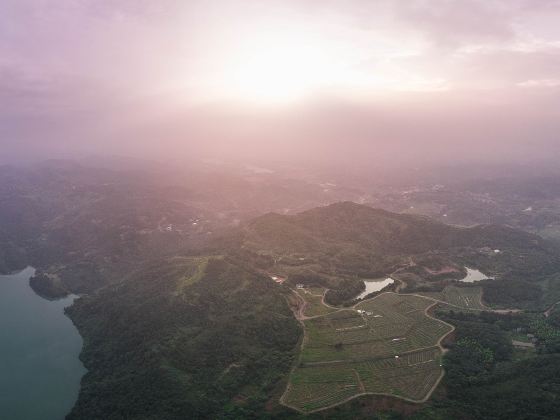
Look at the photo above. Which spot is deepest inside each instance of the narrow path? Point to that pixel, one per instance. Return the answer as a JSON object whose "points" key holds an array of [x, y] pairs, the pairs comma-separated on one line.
{"points": [[369, 359], [299, 312], [426, 312], [522, 344], [550, 309], [325, 303], [362, 387], [485, 308], [400, 285], [443, 349]]}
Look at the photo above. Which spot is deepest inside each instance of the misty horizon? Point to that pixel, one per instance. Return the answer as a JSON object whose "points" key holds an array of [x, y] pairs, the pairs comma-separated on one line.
{"points": [[399, 81], [279, 209]]}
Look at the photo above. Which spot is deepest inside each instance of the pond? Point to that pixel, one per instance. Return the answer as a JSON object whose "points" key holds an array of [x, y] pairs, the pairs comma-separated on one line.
{"points": [[474, 275], [40, 371], [375, 285]]}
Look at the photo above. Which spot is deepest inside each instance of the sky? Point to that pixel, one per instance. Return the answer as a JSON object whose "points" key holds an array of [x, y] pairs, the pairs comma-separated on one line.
{"points": [[374, 80]]}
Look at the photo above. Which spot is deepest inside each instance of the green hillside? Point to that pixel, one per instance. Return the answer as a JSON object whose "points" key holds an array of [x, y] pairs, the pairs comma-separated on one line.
{"points": [[183, 338], [359, 227], [214, 337], [339, 245]]}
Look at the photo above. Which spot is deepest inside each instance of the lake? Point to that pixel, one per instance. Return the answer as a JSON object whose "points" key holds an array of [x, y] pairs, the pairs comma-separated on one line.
{"points": [[375, 286], [40, 371], [474, 275]]}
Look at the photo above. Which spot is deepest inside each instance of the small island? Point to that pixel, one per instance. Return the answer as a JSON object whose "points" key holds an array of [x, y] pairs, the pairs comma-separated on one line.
{"points": [[47, 286]]}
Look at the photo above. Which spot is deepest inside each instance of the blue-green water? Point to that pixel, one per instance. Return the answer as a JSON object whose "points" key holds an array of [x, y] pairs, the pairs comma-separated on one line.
{"points": [[39, 346]]}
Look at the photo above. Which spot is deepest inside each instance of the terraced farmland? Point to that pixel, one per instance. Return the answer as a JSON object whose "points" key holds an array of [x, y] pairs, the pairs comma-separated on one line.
{"points": [[314, 299], [461, 297], [386, 345]]}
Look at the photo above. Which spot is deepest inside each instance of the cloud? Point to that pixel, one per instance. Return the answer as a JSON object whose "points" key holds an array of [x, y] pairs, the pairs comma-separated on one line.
{"points": [[540, 83], [100, 73], [500, 68], [451, 23]]}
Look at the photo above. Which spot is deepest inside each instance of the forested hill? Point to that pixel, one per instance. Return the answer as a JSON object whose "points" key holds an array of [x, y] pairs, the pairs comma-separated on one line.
{"points": [[184, 338], [356, 226], [336, 246], [212, 336]]}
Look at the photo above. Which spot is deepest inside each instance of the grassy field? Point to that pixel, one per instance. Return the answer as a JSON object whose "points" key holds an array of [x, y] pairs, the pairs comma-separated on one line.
{"points": [[461, 297], [389, 347], [314, 298]]}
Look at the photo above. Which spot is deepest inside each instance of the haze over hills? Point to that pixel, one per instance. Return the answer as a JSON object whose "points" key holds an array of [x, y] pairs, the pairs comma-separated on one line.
{"points": [[196, 302], [213, 335], [281, 209], [85, 225], [379, 231]]}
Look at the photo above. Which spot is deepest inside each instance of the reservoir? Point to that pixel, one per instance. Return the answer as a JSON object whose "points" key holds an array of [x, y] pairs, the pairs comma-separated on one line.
{"points": [[474, 276], [40, 371], [374, 286]]}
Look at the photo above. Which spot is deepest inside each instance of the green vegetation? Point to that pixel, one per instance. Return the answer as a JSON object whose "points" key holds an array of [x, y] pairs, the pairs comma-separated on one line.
{"points": [[194, 274], [411, 377], [48, 287], [347, 291], [386, 345], [336, 245], [459, 297], [158, 346], [346, 241], [314, 301], [209, 337], [511, 293], [486, 379], [353, 233], [536, 293]]}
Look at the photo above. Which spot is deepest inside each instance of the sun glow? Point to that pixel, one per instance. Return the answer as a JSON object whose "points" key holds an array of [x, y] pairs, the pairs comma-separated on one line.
{"points": [[281, 63], [282, 67]]}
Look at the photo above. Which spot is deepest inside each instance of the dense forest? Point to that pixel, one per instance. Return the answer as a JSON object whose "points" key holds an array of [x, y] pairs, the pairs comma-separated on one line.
{"points": [[487, 378], [184, 338]]}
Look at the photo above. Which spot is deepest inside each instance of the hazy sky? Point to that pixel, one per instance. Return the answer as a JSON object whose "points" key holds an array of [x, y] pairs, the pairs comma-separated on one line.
{"points": [[368, 78]]}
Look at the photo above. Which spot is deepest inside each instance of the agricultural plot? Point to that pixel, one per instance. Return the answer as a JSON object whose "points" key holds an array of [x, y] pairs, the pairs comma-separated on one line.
{"points": [[461, 297], [314, 299], [386, 345]]}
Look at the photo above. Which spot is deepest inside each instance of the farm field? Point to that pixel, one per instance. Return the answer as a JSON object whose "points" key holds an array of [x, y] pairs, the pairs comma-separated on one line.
{"points": [[462, 297], [385, 345], [314, 298]]}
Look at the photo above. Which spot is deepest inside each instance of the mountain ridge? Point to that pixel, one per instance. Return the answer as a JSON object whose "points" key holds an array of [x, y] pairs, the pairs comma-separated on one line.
{"points": [[359, 224]]}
